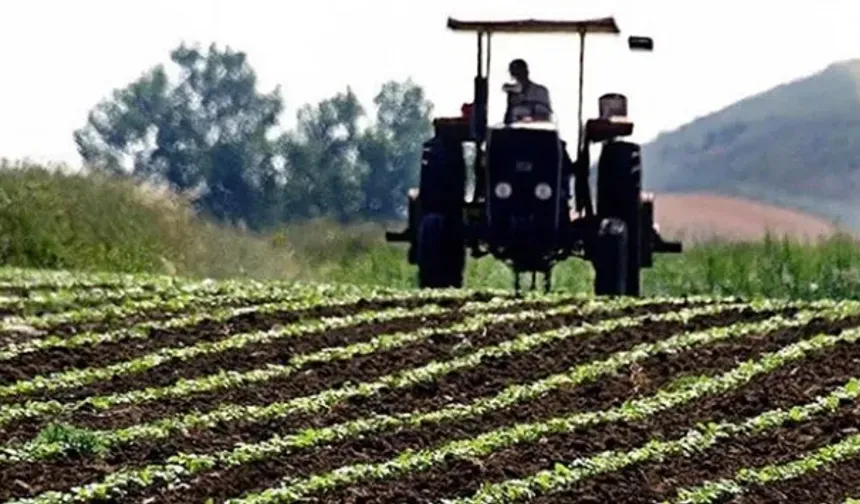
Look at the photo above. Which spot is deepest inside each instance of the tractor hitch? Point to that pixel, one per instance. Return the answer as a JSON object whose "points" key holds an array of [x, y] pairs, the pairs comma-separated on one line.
{"points": [[666, 247], [404, 236]]}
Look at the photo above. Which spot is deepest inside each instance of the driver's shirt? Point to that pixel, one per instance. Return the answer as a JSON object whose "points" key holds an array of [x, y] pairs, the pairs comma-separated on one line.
{"points": [[529, 101]]}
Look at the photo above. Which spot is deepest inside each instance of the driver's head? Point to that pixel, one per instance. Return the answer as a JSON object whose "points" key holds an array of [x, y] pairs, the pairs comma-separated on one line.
{"points": [[519, 70]]}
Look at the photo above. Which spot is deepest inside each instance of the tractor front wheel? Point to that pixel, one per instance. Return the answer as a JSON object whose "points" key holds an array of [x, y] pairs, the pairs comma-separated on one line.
{"points": [[610, 259], [441, 254]]}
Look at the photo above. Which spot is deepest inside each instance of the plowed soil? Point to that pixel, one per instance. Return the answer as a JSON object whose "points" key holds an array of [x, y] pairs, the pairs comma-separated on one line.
{"points": [[456, 388], [702, 216], [463, 477], [830, 485], [795, 383]]}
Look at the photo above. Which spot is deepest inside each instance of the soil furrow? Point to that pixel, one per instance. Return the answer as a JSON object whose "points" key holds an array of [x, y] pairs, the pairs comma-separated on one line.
{"points": [[600, 395], [315, 378], [244, 359], [114, 321], [224, 437], [245, 320], [58, 359], [830, 485], [68, 473], [656, 482], [25, 429], [280, 351], [311, 379], [797, 383], [496, 374]]}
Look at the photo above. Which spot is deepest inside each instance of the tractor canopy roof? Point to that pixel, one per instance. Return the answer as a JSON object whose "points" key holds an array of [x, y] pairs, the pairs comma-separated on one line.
{"points": [[599, 25], [485, 29]]}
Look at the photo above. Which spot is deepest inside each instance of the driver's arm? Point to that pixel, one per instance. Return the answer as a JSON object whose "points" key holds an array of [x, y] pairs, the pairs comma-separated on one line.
{"points": [[543, 97]]}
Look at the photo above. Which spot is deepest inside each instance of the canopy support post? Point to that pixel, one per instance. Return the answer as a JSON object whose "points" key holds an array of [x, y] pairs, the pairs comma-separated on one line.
{"points": [[480, 61], [481, 102], [580, 139]]}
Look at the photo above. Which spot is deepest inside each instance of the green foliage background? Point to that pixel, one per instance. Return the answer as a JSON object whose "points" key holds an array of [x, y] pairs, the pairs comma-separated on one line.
{"points": [[49, 219]]}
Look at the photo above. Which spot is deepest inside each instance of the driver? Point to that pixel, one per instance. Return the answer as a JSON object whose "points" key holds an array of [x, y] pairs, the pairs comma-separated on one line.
{"points": [[530, 99], [525, 98]]}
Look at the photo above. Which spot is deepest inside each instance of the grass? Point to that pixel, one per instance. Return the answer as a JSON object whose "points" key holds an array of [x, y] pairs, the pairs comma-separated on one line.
{"points": [[774, 267], [51, 219]]}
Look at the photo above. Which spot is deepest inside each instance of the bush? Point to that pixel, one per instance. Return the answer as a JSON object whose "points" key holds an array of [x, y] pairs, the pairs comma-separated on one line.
{"points": [[50, 218]]}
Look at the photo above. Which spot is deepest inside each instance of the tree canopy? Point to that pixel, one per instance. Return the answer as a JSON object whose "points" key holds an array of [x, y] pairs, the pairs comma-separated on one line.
{"points": [[211, 133]]}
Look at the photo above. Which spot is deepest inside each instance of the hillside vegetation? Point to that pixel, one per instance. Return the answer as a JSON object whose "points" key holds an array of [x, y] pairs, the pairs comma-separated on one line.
{"points": [[50, 219], [796, 145]]}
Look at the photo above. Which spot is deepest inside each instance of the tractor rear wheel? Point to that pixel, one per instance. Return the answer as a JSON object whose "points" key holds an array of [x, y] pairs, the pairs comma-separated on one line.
{"points": [[619, 188], [441, 254], [610, 259]]}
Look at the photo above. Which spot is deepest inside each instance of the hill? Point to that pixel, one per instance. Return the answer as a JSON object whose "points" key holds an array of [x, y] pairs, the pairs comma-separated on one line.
{"points": [[701, 216], [796, 145]]}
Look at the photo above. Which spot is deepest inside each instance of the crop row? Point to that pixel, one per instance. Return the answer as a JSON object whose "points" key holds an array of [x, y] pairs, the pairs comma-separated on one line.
{"points": [[564, 475], [379, 343], [226, 414], [514, 394], [53, 301], [821, 459], [234, 304], [180, 466], [39, 279], [196, 295], [26, 280], [142, 330], [81, 377], [76, 298], [499, 333], [228, 379]]}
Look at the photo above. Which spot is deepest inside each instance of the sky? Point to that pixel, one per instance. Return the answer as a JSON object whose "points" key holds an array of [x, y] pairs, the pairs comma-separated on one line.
{"points": [[61, 57]]}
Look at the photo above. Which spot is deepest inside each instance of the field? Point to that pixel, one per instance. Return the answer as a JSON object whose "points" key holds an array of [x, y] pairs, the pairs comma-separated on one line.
{"points": [[703, 215], [145, 389]]}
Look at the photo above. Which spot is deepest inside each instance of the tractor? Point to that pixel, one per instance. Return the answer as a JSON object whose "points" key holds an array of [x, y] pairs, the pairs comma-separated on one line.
{"points": [[530, 204]]}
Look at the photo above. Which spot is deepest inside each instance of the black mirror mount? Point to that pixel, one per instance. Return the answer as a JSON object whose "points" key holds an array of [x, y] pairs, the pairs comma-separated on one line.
{"points": [[636, 43]]}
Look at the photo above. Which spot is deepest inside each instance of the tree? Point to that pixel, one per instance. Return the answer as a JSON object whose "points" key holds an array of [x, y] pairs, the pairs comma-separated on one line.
{"points": [[336, 169], [324, 170], [392, 147], [206, 133]]}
